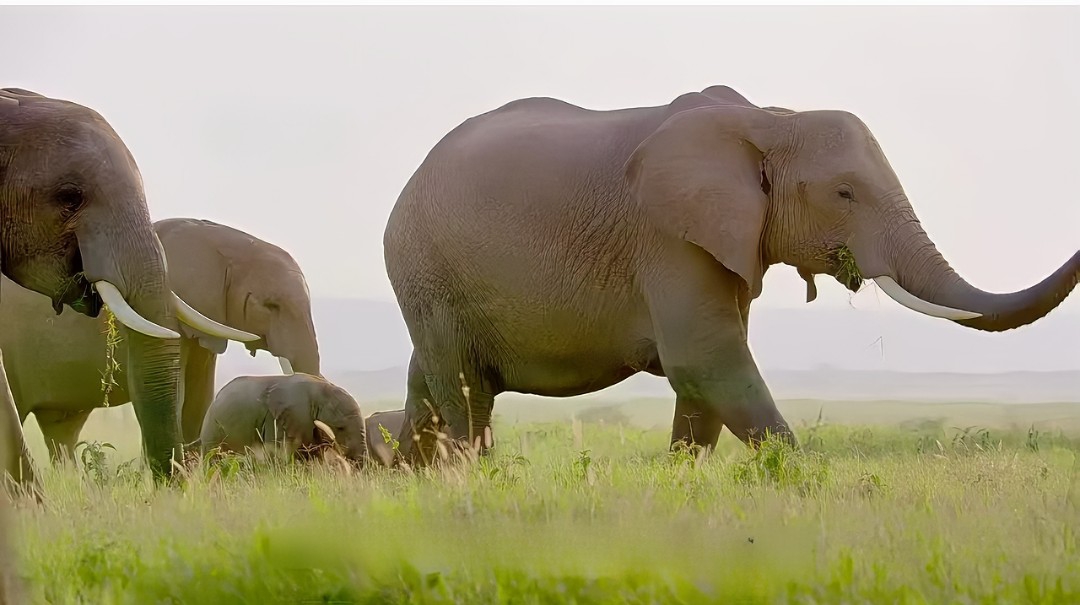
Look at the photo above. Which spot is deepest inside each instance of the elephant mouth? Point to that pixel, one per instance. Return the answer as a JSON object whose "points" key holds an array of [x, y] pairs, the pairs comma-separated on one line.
{"points": [[79, 294], [842, 266]]}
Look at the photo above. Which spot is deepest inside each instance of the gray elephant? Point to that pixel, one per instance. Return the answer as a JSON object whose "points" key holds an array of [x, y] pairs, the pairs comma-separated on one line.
{"points": [[549, 249], [76, 229], [383, 451], [251, 411], [226, 274]]}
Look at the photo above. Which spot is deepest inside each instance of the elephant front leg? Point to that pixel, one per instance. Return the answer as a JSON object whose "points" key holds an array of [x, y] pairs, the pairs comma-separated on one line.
{"points": [[15, 460], [700, 326], [727, 392], [197, 367]]}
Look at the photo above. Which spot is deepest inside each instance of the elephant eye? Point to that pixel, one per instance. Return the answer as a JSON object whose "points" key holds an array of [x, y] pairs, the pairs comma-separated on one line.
{"points": [[69, 197], [846, 193]]}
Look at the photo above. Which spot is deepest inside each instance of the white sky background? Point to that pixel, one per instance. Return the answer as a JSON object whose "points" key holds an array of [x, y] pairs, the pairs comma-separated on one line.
{"points": [[301, 125]]}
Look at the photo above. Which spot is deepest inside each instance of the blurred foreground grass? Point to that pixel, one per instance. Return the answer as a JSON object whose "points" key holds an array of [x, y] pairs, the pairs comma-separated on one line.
{"points": [[589, 513]]}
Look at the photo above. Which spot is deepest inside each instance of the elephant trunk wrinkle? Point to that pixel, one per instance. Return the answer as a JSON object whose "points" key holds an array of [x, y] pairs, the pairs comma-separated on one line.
{"points": [[923, 271]]}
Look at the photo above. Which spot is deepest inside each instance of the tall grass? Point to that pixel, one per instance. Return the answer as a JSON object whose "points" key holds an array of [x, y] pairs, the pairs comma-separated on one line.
{"points": [[585, 514]]}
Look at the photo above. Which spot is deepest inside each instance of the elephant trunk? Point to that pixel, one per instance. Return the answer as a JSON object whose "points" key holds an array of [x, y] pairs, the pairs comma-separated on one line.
{"points": [[307, 361], [294, 343], [122, 251], [925, 282]]}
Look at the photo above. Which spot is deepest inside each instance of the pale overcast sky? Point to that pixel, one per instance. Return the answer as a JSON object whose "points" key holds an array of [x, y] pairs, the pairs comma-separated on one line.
{"points": [[301, 125]]}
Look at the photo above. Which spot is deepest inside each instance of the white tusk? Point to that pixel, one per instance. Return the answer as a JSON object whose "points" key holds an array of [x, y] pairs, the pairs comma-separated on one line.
{"points": [[889, 286], [286, 367], [128, 316], [187, 314]]}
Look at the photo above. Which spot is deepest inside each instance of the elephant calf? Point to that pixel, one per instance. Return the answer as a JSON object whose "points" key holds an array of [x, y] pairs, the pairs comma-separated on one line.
{"points": [[392, 421], [253, 410]]}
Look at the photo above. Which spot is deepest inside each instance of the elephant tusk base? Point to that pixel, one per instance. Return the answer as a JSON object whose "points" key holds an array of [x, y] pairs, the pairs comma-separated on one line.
{"points": [[889, 286], [128, 316]]}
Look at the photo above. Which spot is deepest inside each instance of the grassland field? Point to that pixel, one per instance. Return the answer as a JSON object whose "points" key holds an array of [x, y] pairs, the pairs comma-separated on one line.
{"points": [[886, 502]]}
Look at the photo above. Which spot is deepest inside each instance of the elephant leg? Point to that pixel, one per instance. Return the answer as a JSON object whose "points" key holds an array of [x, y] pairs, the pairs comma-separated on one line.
{"points": [[465, 405], [703, 349], [416, 439], [439, 402], [61, 431], [197, 367], [15, 459]]}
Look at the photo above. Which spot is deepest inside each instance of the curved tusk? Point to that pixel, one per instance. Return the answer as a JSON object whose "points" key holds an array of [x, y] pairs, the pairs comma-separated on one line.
{"points": [[286, 367], [889, 286], [187, 314], [128, 316]]}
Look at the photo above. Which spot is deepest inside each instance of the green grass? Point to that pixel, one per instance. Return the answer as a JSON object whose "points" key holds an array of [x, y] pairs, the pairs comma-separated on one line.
{"points": [[592, 514]]}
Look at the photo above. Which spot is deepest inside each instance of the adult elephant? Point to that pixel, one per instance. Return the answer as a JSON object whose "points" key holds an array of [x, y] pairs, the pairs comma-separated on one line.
{"points": [[224, 273], [77, 230], [549, 249]]}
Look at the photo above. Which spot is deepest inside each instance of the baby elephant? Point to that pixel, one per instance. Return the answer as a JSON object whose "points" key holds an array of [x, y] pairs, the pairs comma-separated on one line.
{"points": [[392, 421], [253, 410]]}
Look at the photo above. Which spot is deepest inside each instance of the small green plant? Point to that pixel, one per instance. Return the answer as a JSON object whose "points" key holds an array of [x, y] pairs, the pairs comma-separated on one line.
{"points": [[974, 439], [94, 464], [777, 462], [1033, 439], [112, 365], [583, 464], [388, 437]]}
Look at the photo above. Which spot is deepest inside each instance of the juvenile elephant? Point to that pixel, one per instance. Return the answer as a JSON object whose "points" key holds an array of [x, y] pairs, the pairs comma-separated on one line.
{"points": [[226, 274], [76, 230], [549, 249], [393, 421], [253, 410]]}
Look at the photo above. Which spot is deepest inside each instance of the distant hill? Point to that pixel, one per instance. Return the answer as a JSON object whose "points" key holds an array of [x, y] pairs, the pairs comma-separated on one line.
{"points": [[826, 384], [809, 352]]}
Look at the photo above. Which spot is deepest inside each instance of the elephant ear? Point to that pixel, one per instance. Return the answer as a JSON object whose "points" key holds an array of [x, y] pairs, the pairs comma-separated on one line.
{"points": [[292, 414], [701, 177]]}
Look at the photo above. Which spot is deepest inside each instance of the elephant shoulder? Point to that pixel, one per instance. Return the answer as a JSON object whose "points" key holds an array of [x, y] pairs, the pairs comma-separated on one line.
{"points": [[727, 94], [710, 97], [21, 92]]}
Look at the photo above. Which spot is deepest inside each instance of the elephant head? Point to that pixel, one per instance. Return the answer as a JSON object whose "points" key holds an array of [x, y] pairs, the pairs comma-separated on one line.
{"points": [[813, 190], [302, 399], [247, 282], [76, 228]]}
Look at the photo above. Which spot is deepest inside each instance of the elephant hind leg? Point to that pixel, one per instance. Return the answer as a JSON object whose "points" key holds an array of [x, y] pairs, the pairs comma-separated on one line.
{"points": [[61, 430], [416, 441], [443, 402]]}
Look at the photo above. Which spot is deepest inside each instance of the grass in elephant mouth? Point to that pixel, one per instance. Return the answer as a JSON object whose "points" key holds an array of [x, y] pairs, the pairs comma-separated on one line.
{"points": [[859, 515], [842, 259]]}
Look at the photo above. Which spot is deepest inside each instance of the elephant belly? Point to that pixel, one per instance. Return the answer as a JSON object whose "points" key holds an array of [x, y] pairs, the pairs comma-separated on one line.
{"points": [[73, 385], [569, 360]]}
